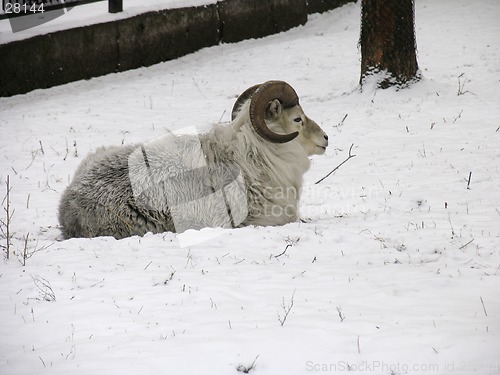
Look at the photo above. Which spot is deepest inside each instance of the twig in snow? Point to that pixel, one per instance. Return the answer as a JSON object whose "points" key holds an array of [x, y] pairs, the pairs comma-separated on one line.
{"points": [[338, 166], [28, 253], [198, 87], [72, 352], [341, 316], [341, 122], [25, 250], [461, 86], [213, 305], [44, 288], [461, 247], [290, 242], [468, 181], [284, 251], [484, 308], [67, 150], [459, 116], [244, 369], [221, 116], [5, 225], [169, 278], [98, 283], [41, 148], [451, 225], [123, 135], [286, 310]]}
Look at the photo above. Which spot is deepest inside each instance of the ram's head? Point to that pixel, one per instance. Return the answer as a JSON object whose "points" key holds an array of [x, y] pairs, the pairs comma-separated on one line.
{"points": [[276, 115]]}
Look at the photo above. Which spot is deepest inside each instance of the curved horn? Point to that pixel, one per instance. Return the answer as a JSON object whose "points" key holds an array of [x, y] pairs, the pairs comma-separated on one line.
{"points": [[245, 95], [266, 92]]}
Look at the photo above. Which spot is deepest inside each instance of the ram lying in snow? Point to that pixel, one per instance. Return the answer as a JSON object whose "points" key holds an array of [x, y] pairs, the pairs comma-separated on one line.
{"points": [[248, 172]]}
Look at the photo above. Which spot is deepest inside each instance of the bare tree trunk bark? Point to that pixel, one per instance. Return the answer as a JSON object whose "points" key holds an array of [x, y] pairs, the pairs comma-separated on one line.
{"points": [[388, 46]]}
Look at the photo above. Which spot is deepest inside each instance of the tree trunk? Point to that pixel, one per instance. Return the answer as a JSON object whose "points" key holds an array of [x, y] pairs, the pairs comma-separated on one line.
{"points": [[388, 46]]}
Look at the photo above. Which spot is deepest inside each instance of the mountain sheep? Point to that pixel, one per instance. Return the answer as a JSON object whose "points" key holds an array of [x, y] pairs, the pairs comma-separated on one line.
{"points": [[248, 172]]}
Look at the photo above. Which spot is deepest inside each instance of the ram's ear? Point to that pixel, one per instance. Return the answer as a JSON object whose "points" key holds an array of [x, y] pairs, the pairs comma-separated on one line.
{"points": [[273, 109]]}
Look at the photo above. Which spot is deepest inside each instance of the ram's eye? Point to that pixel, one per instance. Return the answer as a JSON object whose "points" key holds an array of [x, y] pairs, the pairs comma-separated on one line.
{"points": [[298, 119]]}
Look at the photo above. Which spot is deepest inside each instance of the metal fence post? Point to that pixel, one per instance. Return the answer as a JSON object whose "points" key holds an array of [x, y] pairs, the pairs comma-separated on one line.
{"points": [[115, 6]]}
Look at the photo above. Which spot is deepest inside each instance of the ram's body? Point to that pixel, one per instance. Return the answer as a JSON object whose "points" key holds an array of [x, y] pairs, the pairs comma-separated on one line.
{"points": [[230, 176]]}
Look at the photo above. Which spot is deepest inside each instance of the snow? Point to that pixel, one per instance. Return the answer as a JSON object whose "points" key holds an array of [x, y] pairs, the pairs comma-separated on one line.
{"points": [[395, 271]]}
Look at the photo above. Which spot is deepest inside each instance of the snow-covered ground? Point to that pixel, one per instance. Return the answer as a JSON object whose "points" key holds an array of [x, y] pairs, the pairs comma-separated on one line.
{"points": [[396, 270]]}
